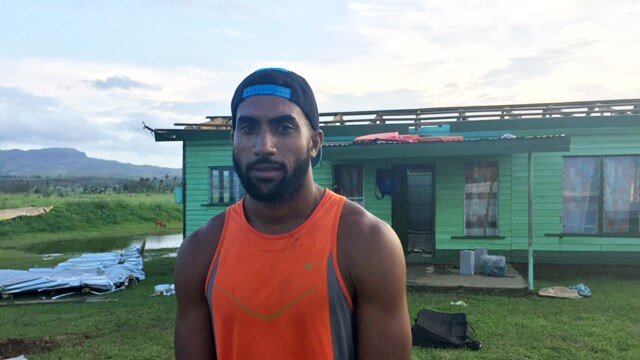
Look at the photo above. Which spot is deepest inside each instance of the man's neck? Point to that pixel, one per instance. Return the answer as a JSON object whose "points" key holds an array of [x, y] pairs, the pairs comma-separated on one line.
{"points": [[281, 218]]}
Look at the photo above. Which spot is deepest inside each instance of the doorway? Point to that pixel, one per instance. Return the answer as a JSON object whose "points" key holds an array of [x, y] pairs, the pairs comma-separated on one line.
{"points": [[413, 206]]}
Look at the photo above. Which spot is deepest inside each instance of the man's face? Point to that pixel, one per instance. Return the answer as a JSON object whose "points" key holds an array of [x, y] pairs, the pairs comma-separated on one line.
{"points": [[273, 144]]}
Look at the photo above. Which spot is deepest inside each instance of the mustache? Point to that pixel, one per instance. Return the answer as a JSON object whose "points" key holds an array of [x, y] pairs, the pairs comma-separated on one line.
{"points": [[265, 162]]}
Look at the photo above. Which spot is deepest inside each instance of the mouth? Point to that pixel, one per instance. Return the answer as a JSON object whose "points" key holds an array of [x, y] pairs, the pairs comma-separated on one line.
{"points": [[266, 172]]}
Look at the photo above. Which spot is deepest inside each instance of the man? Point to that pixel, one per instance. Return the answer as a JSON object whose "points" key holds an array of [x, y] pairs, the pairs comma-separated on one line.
{"points": [[292, 271]]}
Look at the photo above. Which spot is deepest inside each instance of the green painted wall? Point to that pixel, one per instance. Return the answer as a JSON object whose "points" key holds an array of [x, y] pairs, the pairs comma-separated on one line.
{"points": [[513, 212], [200, 155], [449, 183], [548, 193]]}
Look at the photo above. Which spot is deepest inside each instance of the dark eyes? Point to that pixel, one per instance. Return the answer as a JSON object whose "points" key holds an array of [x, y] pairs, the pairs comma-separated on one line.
{"points": [[248, 128], [284, 128]]}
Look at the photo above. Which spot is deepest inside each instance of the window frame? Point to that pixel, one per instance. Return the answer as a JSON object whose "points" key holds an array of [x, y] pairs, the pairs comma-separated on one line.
{"points": [[464, 199], [358, 200], [234, 176], [601, 192]]}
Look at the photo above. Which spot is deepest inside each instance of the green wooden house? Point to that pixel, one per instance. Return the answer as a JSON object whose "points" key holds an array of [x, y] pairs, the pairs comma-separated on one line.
{"points": [[560, 179]]}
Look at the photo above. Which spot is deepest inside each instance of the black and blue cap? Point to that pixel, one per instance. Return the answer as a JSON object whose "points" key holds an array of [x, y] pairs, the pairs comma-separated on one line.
{"points": [[281, 83]]}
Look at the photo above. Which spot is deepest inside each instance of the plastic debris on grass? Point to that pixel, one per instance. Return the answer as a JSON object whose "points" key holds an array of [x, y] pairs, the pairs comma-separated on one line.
{"points": [[559, 292], [21, 357], [164, 289], [572, 292], [582, 289], [97, 273], [458, 303]]}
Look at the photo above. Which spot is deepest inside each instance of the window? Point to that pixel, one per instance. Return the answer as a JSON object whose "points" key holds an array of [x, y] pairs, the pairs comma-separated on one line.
{"points": [[225, 186], [601, 195], [348, 180], [481, 199]]}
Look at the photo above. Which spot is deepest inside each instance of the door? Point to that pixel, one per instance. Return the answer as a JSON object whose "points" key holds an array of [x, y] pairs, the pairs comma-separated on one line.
{"points": [[413, 208]]}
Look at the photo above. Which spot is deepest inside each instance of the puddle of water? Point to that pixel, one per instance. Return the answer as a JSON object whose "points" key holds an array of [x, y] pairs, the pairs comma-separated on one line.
{"points": [[162, 242], [105, 244]]}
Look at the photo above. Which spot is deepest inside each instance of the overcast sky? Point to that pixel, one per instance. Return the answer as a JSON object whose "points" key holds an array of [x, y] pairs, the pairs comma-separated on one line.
{"points": [[86, 74]]}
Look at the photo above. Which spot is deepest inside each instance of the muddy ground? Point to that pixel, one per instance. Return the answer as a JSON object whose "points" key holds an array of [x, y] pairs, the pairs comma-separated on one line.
{"points": [[15, 347]]}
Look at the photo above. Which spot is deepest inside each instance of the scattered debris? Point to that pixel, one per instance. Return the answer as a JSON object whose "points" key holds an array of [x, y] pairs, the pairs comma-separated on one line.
{"points": [[21, 357], [164, 289], [9, 214], [583, 290], [101, 272], [83, 299], [560, 292], [572, 292], [50, 256], [458, 303]]}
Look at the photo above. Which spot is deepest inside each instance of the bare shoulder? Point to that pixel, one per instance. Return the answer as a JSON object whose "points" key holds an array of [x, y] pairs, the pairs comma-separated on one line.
{"points": [[196, 253], [366, 245], [363, 232], [370, 255]]}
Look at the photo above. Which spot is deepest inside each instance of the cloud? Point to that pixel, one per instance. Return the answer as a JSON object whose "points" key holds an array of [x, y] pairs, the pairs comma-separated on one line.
{"points": [[361, 55], [199, 109], [381, 100], [36, 119], [239, 34], [50, 103], [221, 8], [121, 82], [34, 122]]}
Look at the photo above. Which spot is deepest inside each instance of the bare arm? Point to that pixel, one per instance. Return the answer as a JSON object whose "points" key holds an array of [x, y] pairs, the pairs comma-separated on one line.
{"points": [[377, 271], [194, 331]]}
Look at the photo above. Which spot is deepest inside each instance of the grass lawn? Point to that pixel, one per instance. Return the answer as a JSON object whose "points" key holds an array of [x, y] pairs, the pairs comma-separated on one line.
{"points": [[137, 326], [87, 216], [605, 326]]}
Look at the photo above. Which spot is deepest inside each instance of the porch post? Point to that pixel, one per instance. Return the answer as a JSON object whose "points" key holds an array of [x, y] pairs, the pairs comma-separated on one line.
{"points": [[530, 203]]}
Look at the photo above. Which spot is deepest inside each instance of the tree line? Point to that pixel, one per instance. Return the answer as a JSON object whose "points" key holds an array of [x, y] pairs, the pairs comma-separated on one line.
{"points": [[48, 186]]}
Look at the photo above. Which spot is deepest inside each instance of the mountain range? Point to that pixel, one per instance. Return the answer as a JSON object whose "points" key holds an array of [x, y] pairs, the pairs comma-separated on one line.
{"points": [[65, 162]]}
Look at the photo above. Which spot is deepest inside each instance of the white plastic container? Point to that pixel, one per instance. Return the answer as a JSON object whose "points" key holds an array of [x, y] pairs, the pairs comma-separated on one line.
{"points": [[478, 254], [467, 262]]}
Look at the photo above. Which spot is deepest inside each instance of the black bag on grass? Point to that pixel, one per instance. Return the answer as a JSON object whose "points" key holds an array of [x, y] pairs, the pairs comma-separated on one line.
{"points": [[441, 330]]}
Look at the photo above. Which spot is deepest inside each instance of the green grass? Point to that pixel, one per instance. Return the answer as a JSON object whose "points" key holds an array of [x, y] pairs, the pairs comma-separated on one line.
{"points": [[137, 326], [87, 216], [605, 326]]}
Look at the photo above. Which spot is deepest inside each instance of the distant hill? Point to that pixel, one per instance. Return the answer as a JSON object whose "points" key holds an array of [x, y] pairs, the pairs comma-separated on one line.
{"points": [[62, 162]]}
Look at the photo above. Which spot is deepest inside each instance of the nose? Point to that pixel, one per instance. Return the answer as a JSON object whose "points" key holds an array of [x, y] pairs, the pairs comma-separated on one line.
{"points": [[264, 144]]}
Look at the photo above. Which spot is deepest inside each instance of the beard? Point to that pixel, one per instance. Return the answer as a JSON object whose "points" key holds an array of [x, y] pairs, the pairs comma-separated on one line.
{"points": [[279, 191]]}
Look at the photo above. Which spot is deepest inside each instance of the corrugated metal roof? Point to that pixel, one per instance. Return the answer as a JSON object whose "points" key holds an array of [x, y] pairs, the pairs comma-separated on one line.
{"points": [[381, 142]]}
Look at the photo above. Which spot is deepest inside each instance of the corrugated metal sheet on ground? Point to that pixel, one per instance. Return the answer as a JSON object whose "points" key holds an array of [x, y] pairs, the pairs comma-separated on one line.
{"points": [[8, 214], [100, 272]]}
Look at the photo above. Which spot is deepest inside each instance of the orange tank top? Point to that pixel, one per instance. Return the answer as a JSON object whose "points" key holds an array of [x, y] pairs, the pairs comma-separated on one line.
{"points": [[281, 296]]}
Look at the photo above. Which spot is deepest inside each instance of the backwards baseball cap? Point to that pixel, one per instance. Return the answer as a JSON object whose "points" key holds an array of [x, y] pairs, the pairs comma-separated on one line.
{"points": [[281, 83]]}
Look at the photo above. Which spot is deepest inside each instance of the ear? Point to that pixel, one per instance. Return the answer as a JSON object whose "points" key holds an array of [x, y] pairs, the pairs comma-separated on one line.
{"points": [[317, 139]]}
